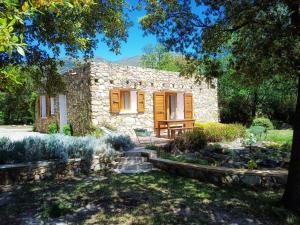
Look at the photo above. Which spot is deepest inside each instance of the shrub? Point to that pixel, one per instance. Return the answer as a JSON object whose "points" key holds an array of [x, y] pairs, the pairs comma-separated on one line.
{"points": [[264, 122], [52, 128], [250, 140], [194, 140], [215, 148], [191, 141], [67, 129], [120, 142], [216, 132], [61, 147]]}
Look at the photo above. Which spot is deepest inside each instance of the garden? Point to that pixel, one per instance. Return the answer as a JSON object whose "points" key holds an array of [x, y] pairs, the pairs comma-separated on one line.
{"points": [[232, 145]]}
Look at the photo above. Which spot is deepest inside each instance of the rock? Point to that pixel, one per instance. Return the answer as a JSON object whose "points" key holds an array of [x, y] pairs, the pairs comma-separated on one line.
{"points": [[251, 180]]}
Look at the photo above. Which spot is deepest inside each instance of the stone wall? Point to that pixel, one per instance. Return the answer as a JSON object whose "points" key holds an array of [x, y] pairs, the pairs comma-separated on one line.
{"points": [[79, 99], [26, 172], [78, 102], [222, 175], [106, 76]]}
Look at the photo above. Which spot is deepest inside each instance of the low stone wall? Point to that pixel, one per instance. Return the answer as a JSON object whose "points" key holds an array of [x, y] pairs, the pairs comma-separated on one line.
{"points": [[25, 172], [222, 175]]}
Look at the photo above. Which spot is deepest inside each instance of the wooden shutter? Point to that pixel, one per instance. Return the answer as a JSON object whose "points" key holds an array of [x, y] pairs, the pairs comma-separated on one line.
{"points": [[48, 106], [38, 106], [141, 101], [115, 100], [159, 105], [188, 106]]}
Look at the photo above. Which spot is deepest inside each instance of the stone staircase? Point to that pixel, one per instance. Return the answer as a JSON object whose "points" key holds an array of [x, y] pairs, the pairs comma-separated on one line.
{"points": [[132, 162]]}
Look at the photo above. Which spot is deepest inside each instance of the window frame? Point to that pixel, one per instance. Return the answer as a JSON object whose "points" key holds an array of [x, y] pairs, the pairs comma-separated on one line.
{"points": [[43, 110], [52, 105], [122, 100]]}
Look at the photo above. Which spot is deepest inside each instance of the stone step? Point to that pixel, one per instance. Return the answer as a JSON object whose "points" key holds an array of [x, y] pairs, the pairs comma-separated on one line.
{"points": [[138, 166], [133, 154], [131, 159]]}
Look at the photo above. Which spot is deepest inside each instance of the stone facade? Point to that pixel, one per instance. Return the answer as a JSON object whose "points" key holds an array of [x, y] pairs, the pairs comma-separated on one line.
{"points": [[88, 95], [26, 172]]}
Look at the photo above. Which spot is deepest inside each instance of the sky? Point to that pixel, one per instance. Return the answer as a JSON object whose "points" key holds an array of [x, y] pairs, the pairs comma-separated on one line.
{"points": [[134, 45]]}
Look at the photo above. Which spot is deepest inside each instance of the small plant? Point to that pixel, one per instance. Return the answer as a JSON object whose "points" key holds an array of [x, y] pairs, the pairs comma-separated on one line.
{"points": [[120, 142], [251, 165], [96, 132], [52, 128], [215, 148], [153, 147], [67, 129], [264, 122], [250, 140], [194, 140]]}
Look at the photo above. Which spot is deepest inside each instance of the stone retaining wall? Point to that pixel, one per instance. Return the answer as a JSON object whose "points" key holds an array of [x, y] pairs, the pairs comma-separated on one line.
{"points": [[222, 175], [25, 172]]}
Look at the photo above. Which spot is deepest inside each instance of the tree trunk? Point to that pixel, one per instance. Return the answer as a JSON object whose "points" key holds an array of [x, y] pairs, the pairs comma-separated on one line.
{"points": [[291, 197], [254, 105]]}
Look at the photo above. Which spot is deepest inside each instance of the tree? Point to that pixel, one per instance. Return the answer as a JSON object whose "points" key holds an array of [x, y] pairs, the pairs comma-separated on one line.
{"points": [[262, 38], [158, 57], [27, 28]]}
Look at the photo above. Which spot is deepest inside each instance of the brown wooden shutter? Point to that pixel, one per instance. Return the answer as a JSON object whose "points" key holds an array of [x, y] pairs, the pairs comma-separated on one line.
{"points": [[159, 106], [188, 106], [38, 106], [141, 101], [48, 106], [115, 100]]}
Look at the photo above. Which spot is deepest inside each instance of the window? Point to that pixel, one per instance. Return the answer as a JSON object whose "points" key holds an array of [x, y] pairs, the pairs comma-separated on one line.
{"points": [[43, 106], [127, 101], [52, 106]]}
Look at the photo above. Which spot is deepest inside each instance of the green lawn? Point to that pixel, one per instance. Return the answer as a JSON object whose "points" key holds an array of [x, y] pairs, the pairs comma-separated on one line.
{"points": [[151, 198], [280, 136]]}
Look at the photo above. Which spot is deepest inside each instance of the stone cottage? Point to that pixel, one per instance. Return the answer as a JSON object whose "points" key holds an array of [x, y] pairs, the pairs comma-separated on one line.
{"points": [[126, 97]]}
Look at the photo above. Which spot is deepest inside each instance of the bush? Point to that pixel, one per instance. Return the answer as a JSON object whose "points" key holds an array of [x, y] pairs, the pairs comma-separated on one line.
{"points": [[67, 129], [264, 122], [61, 147], [52, 128], [120, 142], [216, 132], [191, 141], [251, 165]]}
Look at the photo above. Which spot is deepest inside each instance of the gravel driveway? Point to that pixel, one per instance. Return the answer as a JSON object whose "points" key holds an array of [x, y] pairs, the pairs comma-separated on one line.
{"points": [[17, 132]]}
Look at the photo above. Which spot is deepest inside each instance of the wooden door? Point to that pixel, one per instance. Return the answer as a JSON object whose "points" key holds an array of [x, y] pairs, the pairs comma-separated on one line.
{"points": [[159, 107]]}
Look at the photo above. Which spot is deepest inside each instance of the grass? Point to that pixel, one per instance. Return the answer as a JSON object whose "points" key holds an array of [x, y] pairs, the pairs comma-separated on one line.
{"points": [[280, 136], [150, 198]]}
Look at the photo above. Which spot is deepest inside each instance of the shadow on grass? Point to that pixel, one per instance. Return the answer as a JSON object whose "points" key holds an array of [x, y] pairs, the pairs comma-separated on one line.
{"points": [[151, 198]]}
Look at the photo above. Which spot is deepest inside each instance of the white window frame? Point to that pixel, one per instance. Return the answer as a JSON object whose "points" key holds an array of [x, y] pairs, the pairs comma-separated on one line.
{"points": [[43, 107], [52, 106]]}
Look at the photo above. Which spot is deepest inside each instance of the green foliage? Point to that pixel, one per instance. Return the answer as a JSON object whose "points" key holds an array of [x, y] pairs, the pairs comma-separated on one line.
{"points": [[17, 105], [52, 128], [96, 132], [158, 57], [67, 130], [258, 131], [216, 132], [250, 140], [120, 142], [54, 26], [190, 141], [251, 164], [61, 147], [264, 122], [153, 147]]}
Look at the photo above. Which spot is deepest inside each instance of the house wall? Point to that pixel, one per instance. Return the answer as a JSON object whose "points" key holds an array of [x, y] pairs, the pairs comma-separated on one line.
{"points": [[78, 102], [106, 76]]}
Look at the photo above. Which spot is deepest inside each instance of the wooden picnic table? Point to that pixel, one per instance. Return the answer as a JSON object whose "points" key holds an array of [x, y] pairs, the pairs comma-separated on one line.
{"points": [[180, 125]]}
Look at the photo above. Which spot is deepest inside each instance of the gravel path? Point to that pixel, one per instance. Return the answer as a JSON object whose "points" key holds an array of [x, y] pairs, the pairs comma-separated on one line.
{"points": [[17, 132]]}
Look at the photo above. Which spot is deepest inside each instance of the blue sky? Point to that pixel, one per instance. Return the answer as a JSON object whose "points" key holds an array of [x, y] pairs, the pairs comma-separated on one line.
{"points": [[134, 45]]}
